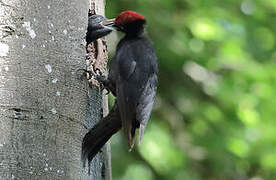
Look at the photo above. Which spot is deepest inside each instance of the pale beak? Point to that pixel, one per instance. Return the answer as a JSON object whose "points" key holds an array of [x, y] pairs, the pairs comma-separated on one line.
{"points": [[109, 23]]}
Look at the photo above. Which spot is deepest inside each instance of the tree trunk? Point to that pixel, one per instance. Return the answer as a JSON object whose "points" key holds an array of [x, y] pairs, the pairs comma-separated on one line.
{"points": [[45, 108]]}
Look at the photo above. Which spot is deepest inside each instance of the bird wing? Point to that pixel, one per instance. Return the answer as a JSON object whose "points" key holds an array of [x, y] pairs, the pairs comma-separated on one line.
{"points": [[136, 86], [145, 105], [126, 95]]}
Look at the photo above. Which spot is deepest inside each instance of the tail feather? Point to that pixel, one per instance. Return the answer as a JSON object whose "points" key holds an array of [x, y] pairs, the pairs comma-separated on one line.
{"points": [[131, 140], [141, 133], [94, 140]]}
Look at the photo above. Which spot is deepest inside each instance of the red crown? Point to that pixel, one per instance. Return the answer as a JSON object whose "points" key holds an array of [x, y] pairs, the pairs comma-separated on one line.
{"points": [[127, 17]]}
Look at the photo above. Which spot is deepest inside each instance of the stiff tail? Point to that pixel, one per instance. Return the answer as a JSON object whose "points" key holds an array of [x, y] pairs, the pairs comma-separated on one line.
{"points": [[94, 140]]}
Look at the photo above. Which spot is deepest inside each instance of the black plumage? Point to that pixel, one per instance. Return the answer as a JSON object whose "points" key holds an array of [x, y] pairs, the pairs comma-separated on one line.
{"points": [[136, 83], [133, 80]]}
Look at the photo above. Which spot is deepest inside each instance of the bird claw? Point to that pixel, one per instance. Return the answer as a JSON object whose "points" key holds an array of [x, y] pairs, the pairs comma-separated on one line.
{"points": [[97, 75], [97, 71], [90, 73]]}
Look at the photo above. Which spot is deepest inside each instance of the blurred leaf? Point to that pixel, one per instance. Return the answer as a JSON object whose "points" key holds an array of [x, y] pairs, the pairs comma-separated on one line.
{"points": [[134, 172], [238, 147], [159, 150], [215, 111], [206, 29]]}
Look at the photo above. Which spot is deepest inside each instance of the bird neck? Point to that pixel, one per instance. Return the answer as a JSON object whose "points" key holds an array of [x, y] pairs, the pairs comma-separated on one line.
{"points": [[134, 34], [134, 29]]}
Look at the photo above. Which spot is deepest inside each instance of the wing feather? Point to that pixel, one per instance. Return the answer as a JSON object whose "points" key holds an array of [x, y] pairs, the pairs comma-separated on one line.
{"points": [[126, 88], [145, 105], [135, 85]]}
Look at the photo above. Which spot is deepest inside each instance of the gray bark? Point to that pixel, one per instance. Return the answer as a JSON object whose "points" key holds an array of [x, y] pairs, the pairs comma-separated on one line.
{"points": [[45, 109]]}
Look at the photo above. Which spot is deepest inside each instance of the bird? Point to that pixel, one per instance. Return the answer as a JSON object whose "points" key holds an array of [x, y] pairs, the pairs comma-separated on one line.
{"points": [[94, 29], [133, 80]]}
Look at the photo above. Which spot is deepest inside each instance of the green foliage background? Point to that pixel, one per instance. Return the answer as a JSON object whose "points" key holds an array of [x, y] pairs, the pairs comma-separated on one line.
{"points": [[215, 110]]}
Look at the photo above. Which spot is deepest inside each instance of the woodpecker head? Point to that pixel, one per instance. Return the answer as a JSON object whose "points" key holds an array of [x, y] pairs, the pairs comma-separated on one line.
{"points": [[129, 22]]}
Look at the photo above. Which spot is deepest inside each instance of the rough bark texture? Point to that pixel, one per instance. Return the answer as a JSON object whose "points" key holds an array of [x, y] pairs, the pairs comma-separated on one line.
{"points": [[107, 147], [45, 109], [98, 51]]}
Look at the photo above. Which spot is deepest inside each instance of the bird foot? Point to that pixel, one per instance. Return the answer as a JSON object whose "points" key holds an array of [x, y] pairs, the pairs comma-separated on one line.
{"points": [[96, 74]]}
